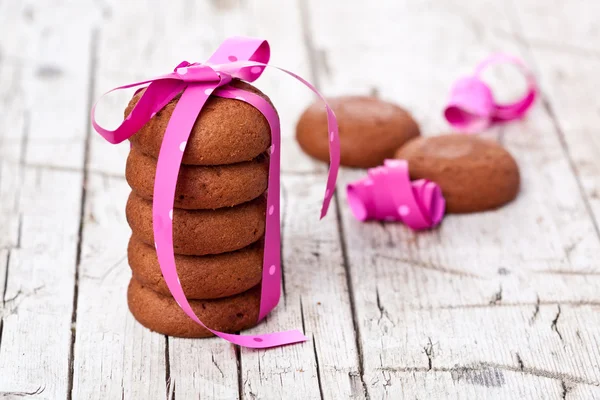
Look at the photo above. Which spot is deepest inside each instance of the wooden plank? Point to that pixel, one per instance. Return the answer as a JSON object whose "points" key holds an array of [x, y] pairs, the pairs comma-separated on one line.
{"points": [[114, 355], [39, 290], [471, 261], [316, 299], [45, 74], [567, 60]]}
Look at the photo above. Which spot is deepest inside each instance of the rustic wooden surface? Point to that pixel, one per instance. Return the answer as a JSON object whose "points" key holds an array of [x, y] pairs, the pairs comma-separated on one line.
{"points": [[497, 305]]}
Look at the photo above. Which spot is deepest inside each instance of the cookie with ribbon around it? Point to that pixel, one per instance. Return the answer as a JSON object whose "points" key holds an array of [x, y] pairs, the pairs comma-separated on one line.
{"points": [[202, 277], [226, 131], [202, 187], [474, 174], [370, 129], [201, 232], [161, 313]]}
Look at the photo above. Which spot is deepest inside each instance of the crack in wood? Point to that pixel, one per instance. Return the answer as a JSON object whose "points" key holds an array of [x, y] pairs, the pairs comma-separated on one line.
{"points": [[302, 316], [536, 311], [573, 273], [240, 382], [317, 366], [428, 348], [382, 311], [38, 391], [497, 297], [352, 301], [428, 266], [571, 379], [504, 304], [565, 389], [554, 324], [169, 382], [94, 41], [212, 357], [520, 361], [102, 277]]}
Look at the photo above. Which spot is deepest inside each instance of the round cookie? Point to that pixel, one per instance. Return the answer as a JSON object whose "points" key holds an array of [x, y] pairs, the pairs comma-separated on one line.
{"points": [[227, 131], [202, 187], [474, 174], [202, 277], [162, 314], [370, 129], [202, 232]]}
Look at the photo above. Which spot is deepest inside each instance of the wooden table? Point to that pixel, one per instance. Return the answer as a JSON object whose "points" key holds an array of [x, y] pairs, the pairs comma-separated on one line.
{"points": [[497, 305]]}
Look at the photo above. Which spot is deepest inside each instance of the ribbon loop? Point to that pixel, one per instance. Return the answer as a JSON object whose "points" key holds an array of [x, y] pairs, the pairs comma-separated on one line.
{"points": [[472, 107], [239, 58]]}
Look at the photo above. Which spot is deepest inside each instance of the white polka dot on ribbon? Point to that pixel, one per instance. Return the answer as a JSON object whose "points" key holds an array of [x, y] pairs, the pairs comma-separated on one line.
{"points": [[208, 92], [272, 269], [256, 70], [403, 210], [171, 214], [182, 146], [271, 209]]}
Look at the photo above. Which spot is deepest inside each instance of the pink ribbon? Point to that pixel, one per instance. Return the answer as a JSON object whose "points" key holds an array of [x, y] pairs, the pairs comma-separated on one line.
{"points": [[472, 108], [237, 57], [387, 194]]}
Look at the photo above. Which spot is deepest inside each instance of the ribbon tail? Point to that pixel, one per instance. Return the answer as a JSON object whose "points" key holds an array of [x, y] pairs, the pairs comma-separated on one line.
{"points": [[157, 95]]}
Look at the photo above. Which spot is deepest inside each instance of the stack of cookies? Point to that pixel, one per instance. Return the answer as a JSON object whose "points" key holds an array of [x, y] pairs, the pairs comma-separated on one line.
{"points": [[218, 219]]}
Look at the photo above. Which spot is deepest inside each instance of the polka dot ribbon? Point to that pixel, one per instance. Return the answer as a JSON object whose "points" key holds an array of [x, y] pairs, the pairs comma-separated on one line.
{"points": [[241, 58], [387, 194], [472, 108]]}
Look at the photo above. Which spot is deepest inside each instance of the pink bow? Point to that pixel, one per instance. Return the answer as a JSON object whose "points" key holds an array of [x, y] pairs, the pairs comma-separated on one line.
{"points": [[237, 58]]}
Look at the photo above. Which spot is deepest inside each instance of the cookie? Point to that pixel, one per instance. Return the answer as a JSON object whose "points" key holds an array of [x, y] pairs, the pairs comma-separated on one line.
{"points": [[161, 313], [202, 277], [201, 232], [370, 129], [227, 131], [474, 174], [202, 187]]}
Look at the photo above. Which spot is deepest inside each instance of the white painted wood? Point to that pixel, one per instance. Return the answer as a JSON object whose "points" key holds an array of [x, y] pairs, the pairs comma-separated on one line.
{"points": [[36, 335], [494, 305], [45, 72], [543, 246], [317, 300], [114, 355], [567, 62]]}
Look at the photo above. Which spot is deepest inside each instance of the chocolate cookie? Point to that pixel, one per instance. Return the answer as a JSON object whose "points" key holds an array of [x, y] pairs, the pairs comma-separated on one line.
{"points": [[202, 277], [370, 129], [202, 187], [227, 130], [474, 174], [202, 232], [162, 314]]}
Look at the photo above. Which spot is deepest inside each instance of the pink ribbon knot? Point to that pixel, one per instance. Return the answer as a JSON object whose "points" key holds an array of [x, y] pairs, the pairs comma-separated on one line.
{"points": [[237, 58]]}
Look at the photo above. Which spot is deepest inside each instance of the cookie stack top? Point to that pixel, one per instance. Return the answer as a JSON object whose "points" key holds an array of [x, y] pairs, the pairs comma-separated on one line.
{"points": [[227, 131]]}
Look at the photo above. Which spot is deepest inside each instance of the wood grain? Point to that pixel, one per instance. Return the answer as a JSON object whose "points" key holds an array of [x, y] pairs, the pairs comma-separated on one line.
{"points": [[495, 305]]}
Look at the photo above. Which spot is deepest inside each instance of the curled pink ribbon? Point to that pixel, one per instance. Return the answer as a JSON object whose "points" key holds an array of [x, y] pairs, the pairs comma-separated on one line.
{"points": [[472, 108], [387, 194], [240, 58]]}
